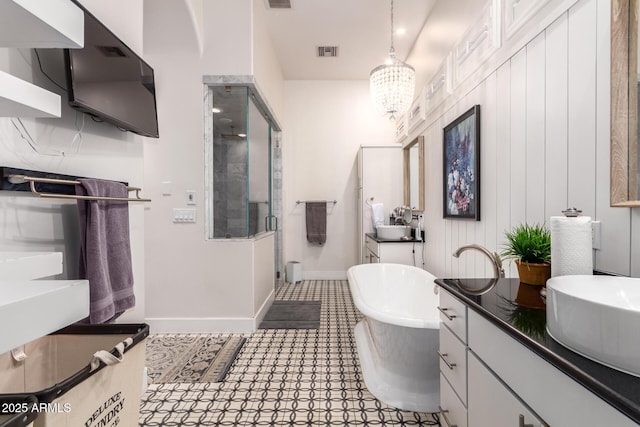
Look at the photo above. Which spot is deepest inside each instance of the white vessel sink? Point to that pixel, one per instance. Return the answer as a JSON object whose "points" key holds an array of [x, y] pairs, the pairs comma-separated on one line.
{"points": [[392, 232], [597, 317], [29, 265], [31, 309]]}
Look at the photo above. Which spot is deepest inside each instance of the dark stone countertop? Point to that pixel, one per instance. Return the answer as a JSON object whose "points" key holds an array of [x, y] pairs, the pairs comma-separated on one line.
{"points": [[379, 240], [520, 312]]}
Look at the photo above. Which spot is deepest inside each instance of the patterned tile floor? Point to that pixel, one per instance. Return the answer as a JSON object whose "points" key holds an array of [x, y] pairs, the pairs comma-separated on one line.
{"points": [[294, 377]]}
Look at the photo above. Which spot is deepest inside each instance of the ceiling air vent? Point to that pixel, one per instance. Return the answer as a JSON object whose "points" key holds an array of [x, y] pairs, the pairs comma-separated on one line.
{"points": [[330, 51], [279, 4]]}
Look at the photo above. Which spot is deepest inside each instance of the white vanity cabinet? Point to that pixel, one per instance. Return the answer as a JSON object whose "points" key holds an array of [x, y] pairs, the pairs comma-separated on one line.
{"points": [[391, 252], [495, 375], [553, 395], [453, 361], [470, 394]]}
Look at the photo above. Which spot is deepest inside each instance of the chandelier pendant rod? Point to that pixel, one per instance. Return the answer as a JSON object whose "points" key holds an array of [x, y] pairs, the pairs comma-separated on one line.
{"points": [[392, 51]]}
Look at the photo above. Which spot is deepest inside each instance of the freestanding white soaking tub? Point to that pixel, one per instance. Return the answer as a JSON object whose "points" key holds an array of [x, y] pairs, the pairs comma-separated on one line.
{"points": [[398, 339]]}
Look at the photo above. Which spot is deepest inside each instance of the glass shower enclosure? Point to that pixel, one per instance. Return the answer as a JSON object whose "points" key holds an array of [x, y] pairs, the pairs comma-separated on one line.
{"points": [[239, 159]]}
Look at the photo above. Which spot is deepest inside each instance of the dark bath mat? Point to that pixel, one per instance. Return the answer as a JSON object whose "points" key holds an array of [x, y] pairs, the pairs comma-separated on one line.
{"points": [[191, 358], [292, 315]]}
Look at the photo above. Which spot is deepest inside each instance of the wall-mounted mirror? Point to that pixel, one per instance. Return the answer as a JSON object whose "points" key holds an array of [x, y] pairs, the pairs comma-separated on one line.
{"points": [[414, 174], [624, 104]]}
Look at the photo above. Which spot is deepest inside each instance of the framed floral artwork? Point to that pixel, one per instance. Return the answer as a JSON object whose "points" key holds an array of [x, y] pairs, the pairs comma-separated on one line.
{"points": [[461, 166]]}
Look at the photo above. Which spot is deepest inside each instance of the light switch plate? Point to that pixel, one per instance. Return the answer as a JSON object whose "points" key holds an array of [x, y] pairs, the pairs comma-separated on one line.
{"points": [[191, 197], [166, 188], [184, 215]]}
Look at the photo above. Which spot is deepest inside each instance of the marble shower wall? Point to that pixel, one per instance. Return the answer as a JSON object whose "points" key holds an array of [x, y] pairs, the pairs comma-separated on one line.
{"points": [[230, 187]]}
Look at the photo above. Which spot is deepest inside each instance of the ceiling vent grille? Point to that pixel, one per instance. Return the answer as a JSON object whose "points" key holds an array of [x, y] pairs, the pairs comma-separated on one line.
{"points": [[329, 51], [279, 4]]}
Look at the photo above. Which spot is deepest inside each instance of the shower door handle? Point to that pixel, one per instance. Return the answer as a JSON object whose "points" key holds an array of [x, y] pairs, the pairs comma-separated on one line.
{"points": [[266, 223]]}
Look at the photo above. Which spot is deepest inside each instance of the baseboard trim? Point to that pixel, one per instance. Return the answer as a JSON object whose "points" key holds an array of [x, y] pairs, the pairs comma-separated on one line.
{"points": [[324, 275], [201, 325], [263, 310], [210, 325]]}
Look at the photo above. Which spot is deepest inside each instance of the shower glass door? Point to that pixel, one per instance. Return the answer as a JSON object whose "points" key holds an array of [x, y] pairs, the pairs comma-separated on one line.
{"points": [[259, 160], [239, 165]]}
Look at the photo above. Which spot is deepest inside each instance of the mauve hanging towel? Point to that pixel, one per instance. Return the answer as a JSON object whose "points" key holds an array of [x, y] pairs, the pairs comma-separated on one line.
{"points": [[316, 215], [105, 253]]}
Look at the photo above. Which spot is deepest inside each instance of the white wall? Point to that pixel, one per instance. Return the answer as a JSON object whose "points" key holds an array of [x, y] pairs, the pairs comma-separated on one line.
{"points": [[266, 67], [100, 150], [325, 124], [194, 284], [544, 145]]}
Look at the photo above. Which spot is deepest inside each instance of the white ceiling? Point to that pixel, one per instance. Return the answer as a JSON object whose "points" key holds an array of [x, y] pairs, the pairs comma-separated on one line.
{"points": [[360, 28]]}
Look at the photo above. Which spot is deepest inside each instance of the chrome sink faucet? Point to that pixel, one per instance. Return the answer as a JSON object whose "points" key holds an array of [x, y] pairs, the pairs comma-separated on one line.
{"points": [[498, 271]]}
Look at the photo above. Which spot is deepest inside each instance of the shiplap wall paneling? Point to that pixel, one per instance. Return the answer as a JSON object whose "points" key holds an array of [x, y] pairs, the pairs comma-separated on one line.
{"points": [[518, 135], [476, 229], [616, 245], [582, 106], [535, 125], [546, 109], [465, 231], [489, 167], [437, 238], [635, 242], [449, 243], [503, 155], [459, 226], [434, 227], [454, 224], [556, 118], [444, 258]]}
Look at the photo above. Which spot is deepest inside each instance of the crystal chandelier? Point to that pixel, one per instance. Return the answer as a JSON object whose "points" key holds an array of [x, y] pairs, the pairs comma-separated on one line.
{"points": [[392, 84]]}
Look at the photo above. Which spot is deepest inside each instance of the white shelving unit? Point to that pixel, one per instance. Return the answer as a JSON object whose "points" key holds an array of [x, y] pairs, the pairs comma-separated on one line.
{"points": [[19, 98], [32, 309], [29, 265], [36, 24], [41, 24]]}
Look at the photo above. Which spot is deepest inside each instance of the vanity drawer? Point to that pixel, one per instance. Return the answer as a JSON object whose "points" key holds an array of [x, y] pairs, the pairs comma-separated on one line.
{"points": [[491, 403], [453, 314], [452, 410], [372, 246], [453, 362]]}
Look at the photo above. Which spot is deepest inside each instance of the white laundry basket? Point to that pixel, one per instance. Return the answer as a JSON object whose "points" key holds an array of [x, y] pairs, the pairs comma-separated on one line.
{"points": [[76, 380], [294, 272]]}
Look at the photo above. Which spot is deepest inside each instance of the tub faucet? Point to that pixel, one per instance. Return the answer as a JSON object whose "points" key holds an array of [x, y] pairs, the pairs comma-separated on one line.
{"points": [[498, 271]]}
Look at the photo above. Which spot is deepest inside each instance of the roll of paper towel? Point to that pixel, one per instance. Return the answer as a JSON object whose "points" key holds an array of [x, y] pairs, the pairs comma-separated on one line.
{"points": [[571, 251]]}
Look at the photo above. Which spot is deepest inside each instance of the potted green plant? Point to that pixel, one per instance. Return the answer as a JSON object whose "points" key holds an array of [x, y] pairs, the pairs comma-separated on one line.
{"points": [[530, 246]]}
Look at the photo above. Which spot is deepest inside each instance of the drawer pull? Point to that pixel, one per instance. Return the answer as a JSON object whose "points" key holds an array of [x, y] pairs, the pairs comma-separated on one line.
{"points": [[447, 315], [521, 422], [446, 362], [445, 418]]}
